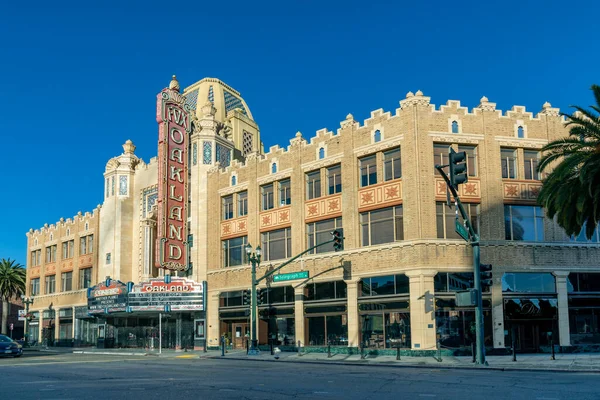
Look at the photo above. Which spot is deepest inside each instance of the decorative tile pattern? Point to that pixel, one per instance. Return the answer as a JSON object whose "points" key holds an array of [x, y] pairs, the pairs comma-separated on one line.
{"points": [[232, 102], [34, 272], [192, 99], [112, 185], [107, 191], [323, 207], [275, 218], [223, 155], [85, 261], [122, 185], [149, 197], [234, 227], [381, 195], [211, 94], [469, 190], [521, 190], [194, 154], [206, 152], [66, 266], [247, 143], [50, 269]]}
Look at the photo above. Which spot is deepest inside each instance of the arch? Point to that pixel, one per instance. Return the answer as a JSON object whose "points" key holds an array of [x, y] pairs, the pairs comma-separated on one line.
{"points": [[273, 168], [454, 126], [377, 136], [520, 132], [321, 153]]}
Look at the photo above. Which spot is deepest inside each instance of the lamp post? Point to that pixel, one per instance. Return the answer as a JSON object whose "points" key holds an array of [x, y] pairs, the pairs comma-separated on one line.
{"points": [[254, 258], [27, 301]]}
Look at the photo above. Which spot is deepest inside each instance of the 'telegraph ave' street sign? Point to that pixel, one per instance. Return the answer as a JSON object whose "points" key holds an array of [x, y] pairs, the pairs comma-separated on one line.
{"points": [[291, 276]]}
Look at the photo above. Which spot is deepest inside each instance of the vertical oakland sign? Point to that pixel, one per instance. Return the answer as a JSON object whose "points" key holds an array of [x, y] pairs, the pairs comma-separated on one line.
{"points": [[174, 127]]}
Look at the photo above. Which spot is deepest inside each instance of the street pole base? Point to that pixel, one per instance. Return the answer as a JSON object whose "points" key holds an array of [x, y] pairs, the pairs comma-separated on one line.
{"points": [[253, 352]]}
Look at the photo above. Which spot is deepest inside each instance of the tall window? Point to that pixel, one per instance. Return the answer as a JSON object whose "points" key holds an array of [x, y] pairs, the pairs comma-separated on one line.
{"points": [[313, 185], [471, 158], [520, 132], [509, 163], [51, 254], [377, 136], [524, 223], [36, 257], [445, 219], [531, 159], [35, 286], [50, 284], [233, 180], [273, 168], [234, 251], [86, 244], [285, 192], [334, 179], [277, 244], [391, 165], [85, 278], [319, 232], [67, 249], [385, 225], [454, 127], [368, 170], [266, 192], [67, 281], [440, 155], [242, 203], [321, 152], [227, 207]]}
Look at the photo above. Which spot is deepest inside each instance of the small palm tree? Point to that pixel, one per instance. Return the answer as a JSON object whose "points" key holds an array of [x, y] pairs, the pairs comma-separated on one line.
{"points": [[571, 191], [12, 283]]}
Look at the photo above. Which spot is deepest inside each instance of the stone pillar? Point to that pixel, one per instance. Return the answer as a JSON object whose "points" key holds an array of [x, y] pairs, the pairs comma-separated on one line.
{"points": [[562, 295], [56, 326], [498, 314], [73, 325], [353, 316], [299, 315], [178, 332], [422, 324], [212, 317], [40, 337], [148, 248]]}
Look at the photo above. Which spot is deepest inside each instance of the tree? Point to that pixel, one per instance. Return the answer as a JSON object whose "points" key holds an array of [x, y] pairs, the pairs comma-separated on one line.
{"points": [[571, 191], [12, 283]]}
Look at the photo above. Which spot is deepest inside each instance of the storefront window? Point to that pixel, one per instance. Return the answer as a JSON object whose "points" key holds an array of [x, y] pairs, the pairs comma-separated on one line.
{"points": [[584, 318], [584, 282], [386, 330], [332, 329], [326, 290], [453, 282], [456, 328], [230, 299], [524, 282], [384, 285]]}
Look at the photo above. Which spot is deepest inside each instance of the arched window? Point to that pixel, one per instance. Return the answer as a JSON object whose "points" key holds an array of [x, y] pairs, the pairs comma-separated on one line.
{"points": [[454, 127], [273, 168], [377, 136], [321, 152], [68, 231], [520, 132], [51, 236], [233, 180], [87, 226]]}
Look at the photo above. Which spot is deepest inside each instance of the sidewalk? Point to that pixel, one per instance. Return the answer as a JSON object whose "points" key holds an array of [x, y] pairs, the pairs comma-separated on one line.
{"points": [[575, 362]]}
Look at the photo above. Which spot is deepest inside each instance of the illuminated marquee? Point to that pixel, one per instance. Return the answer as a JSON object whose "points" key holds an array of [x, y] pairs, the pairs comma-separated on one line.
{"points": [[173, 117]]}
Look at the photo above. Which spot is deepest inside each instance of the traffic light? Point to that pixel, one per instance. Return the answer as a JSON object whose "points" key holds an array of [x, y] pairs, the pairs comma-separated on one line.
{"points": [[261, 296], [458, 167], [338, 240], [246, 297], [485, 273], [429, 306]]}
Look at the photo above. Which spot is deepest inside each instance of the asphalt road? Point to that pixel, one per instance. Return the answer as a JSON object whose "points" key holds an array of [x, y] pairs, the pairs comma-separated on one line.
{"points": [[75, 376]]}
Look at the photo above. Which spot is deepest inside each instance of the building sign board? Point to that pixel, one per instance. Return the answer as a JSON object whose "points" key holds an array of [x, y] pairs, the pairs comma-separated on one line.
{"points": [[173, 117], [290, 276], [174, 294], [108, 296]]}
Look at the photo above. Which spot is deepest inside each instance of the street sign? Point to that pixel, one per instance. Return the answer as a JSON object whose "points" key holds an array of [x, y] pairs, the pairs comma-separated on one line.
{"points": [[22, 315], [291, 276], [461, 230], [466, 298]]}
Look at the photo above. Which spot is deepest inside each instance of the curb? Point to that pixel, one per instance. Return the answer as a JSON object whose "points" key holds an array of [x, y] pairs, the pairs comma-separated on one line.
{"points": [[420, 366]]}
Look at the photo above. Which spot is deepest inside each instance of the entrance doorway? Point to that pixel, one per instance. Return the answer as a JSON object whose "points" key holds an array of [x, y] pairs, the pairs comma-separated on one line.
{"points": [[531, 335], [241, 333]]}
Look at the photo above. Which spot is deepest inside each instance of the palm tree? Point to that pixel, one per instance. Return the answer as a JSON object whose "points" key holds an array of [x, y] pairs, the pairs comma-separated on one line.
{"points": [[571, 191], [12, 283]]}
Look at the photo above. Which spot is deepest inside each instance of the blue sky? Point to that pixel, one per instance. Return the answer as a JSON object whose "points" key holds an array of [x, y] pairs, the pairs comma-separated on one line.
{"points": [[80, 78]]}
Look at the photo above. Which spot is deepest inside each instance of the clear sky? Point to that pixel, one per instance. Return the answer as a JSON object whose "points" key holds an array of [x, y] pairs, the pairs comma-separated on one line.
{"points": [[79, 78]]}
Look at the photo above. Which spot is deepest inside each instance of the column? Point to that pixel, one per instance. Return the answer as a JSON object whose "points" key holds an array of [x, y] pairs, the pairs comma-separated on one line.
{"points": [[56, 326], [562, 295], [422, 324], [498, 314], [299, 315], [73, 326], [40, 338], [212, 317], [178, 332], [353, 317], [148, 225]]}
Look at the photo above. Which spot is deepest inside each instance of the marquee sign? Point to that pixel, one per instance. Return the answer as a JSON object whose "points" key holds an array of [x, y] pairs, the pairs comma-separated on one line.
{"points": [[169, 294], [108, 296], [174, 127]]}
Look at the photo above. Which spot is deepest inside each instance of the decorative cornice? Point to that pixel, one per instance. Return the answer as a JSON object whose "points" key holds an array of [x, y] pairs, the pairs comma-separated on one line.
{"points": [[512, 141], [445, 137], [379, 146], [324, 162], [286, 173], [233, 189]]}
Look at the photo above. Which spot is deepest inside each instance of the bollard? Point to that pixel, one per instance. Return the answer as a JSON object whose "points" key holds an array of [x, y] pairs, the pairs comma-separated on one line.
{"points": [[439, 350], [247, 346], [362, 351], [222, 346], [514, 345], [473, 351], [552, 357], [328, 349], [398, 353], [299, 350], [271, 343]]}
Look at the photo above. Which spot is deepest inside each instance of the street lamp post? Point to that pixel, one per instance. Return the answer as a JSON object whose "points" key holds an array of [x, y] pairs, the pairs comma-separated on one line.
{"points": [[254, 258], [27, 301]]}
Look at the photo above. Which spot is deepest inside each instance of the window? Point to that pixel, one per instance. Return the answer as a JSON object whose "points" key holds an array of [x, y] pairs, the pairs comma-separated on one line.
{"points": [[334, 179], [583, 238], [440, 155], [453, 282], [277, 244], [381, 226], [242, 203], [368, 170], [227, 207], [85, 278], [524, 223], [233, 180], [391, 165], [321, 153], [51, 254], [267, 197], [231, 299], [35, 286], [520, 132], [36, 257], [454, 126], [509, 163], [50, 284], [325, 290], [377, 136], [471, 159], [583, 282], [67, 249], [313, 185], [234, 251], [319, 232], [445, 217], [285, 193], [67, 281], [86, 244], [525, 282], [531, 159], [384, 285], [273, 168]]}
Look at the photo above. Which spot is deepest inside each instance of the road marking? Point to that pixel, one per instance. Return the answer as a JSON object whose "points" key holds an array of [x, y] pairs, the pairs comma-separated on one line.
{"points": [[187, 356], [546, 398], [427, 395], [68, 362]]}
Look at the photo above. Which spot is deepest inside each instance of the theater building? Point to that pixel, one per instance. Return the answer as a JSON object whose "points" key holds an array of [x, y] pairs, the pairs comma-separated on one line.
{"points": [[374, 180]]}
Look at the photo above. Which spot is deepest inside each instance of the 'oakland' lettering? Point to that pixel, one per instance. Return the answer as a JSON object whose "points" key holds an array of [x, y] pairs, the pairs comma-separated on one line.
{"points": [[174, 252], [176, 174], [172, 195]]}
